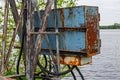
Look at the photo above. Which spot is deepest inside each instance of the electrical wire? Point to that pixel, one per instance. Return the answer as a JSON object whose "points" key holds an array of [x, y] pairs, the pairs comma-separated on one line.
{"points": [[74, 77], [45, 66], [52, 73], [82, 77], [22, 43]]}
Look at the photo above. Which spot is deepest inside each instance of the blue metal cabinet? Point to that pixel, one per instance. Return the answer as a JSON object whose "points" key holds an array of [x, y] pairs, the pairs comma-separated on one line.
{"points": [[78, 32]]}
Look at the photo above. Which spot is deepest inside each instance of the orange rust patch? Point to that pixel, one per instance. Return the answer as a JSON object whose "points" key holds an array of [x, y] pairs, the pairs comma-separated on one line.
{"points": [[71, 61], [92, 34]]}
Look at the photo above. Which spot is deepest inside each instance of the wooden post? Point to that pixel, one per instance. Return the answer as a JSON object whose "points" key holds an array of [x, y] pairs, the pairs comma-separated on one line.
{"points": [[38, 43], [4, 37], [13, 38], [15, 16], [57, 38], [29, 42], [31, 62]]}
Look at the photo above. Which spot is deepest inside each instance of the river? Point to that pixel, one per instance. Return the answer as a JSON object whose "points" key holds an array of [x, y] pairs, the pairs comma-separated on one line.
{"points": [[105, 66]]}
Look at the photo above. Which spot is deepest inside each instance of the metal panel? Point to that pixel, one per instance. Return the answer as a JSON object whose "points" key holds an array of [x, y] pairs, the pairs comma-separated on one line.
{"points": [[69, 41], [92, 34], [78, 61], [68, 17]]}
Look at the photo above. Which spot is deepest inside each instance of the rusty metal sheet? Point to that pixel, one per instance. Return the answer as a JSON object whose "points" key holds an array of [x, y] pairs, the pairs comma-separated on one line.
{"points": [[92, 33], [77, 61]]}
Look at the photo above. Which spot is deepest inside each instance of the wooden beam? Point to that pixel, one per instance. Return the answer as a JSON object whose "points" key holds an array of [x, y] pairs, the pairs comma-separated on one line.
{"points": [[44, 33], [4, 37], [15, 16], [39, 40], [40, 37], [15, 76], [13, 38]]}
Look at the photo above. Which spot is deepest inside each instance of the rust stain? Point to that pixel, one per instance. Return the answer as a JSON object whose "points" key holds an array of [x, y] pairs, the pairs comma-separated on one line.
{"points": [[70, 60], [62, 17], [73, 60], [61, 60], [99, 17], [92, 33]]}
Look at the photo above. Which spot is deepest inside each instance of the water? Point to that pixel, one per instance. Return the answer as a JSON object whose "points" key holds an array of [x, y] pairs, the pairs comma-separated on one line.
{"points": [[105, 66]]}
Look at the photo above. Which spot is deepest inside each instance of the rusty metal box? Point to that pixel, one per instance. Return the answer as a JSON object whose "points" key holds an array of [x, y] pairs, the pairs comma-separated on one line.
{"points": [[78, 34]]}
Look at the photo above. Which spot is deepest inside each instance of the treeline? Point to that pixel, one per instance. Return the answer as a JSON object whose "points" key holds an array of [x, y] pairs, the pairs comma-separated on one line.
{"points": [[110, 27]]}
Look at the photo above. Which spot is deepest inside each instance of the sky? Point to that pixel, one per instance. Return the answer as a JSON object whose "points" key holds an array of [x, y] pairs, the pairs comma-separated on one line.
{"points": [[108, 9]]}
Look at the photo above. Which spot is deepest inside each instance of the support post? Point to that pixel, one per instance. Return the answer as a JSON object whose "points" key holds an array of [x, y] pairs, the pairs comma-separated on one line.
{"points": [[29, 41], [57, 40], [4, 37], [13, 38], [15, 16], [38, 43]]}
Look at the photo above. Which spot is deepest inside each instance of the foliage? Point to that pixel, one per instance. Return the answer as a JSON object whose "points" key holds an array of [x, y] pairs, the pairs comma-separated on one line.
{"points": [[110, 27]]}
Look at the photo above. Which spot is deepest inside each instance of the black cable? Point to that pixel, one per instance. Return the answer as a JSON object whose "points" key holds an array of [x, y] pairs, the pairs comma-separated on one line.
{"points": [[52, 73], [74, 77], [82, 77], [22, 43], [19, 57], [46, 63], [45, 66]]}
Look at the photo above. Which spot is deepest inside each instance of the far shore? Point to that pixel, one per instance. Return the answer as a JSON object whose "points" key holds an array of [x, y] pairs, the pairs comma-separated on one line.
{"points": [[110, 27]]}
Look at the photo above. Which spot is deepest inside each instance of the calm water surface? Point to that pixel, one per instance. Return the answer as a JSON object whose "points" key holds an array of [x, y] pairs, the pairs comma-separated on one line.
{"points": [[105, 66]]}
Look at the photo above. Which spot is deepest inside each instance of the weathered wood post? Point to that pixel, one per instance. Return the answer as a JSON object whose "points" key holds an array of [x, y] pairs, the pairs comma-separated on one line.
{"points": [[30, 59], [38, 43], [4, 37]]}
